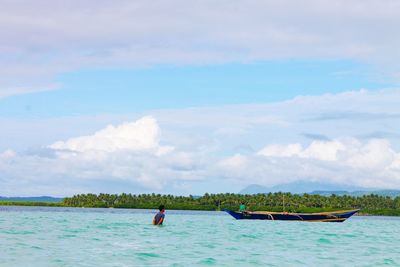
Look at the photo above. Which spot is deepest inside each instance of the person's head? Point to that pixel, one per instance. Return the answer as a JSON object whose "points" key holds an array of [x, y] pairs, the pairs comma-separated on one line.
{"points": [[161, 208]]}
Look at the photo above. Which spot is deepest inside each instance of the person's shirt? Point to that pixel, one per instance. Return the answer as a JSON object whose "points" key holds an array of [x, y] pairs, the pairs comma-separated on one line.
{"points": [[159, 218], [242, 208]]}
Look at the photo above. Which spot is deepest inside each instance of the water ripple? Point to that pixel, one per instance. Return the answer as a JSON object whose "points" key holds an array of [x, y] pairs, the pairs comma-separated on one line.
{"points": [[101, 237]]}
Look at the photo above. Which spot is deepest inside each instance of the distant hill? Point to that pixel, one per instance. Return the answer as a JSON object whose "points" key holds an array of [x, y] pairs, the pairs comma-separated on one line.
{"points": [[254, 189], [299, 187], [314, 188], [32, 199], [389, 193]]}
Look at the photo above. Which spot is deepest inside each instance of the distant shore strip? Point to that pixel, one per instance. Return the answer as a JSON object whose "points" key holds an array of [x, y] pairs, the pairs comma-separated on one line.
{"points": [[368, 204]]}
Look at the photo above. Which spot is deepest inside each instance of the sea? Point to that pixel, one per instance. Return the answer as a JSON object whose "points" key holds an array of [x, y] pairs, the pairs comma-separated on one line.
{"points": [[50, 236]]}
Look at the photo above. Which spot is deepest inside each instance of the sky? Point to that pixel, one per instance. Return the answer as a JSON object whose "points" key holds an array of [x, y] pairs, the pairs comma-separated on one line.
{"points": [[187, 98]]}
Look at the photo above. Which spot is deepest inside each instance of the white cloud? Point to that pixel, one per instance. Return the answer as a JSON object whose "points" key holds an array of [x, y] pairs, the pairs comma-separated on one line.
{"points": [[129, 154], [267, 146], [373, 163], [272, 171], [281, 150], [395, 164], [375, 154], [140, 135], [235, 162], [55, 37], [26, 89], [8, 154], [322, 150]]}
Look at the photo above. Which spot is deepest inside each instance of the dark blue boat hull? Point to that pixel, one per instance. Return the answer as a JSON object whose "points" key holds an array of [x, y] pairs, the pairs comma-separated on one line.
{"points": [[307, 217]]}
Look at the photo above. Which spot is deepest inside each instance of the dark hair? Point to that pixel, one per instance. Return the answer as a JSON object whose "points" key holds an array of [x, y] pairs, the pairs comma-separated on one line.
{"points": [[162, 207]]}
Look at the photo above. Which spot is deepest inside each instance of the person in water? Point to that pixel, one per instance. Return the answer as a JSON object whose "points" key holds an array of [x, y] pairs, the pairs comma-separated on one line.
{"points": [[159, 218]]}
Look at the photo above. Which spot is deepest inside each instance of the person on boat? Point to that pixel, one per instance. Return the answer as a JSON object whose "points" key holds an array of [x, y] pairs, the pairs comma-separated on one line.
{"points": [[159, 218], [243, 208]]}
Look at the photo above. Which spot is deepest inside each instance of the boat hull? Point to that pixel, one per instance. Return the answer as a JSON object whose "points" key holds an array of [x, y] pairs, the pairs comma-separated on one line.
{"points": [[337, 216]]}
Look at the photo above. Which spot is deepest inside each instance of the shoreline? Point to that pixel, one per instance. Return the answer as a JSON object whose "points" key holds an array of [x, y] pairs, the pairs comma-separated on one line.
{"points": [[390, 213]]}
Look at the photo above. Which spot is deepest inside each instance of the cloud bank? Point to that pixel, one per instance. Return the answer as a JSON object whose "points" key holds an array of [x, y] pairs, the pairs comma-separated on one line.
{"points": [[129, 154], [215, 149], [54, 37], [370, 163]]}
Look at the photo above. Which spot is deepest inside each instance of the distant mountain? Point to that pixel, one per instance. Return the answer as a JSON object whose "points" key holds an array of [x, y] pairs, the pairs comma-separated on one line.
{"points": [[315, 188], [254, 189], [32, 199], [299, 187], [388, 193]]}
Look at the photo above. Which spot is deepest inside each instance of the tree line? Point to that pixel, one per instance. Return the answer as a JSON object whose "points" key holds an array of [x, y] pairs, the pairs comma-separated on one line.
{"points": [[369, 204]]}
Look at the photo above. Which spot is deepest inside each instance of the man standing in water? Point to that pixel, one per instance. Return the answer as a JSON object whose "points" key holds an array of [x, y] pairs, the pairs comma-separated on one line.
{"points": [[159, 218]]}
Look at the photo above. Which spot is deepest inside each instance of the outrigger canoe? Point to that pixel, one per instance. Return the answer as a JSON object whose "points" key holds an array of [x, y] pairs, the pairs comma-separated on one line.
{"points": [[333, 216]]}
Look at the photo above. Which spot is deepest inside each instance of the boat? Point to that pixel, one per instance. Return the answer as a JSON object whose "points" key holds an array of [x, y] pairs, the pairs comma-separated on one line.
{"points": [[331, 216]]}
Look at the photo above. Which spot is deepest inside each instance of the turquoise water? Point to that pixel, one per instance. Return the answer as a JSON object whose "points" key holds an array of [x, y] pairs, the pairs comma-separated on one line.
{"points": [[33, 236]]}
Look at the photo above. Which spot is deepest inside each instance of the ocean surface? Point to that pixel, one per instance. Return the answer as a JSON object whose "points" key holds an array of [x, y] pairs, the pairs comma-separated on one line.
{"points": [[37, 236]]}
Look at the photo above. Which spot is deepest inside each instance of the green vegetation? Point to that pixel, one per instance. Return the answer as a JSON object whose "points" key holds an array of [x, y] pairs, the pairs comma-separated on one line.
{"points": [[369, 204], [31, 203]]}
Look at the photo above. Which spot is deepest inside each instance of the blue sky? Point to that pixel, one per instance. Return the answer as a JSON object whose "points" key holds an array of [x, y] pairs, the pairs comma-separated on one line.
{"points": [[125, 96], [165, 87]]}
